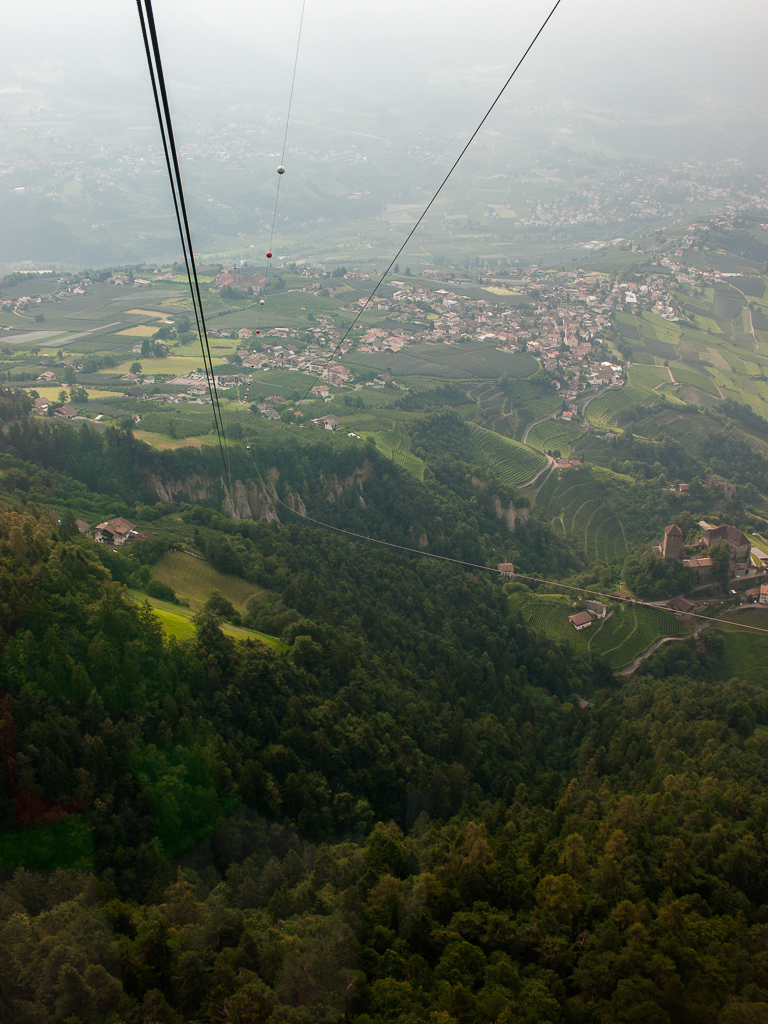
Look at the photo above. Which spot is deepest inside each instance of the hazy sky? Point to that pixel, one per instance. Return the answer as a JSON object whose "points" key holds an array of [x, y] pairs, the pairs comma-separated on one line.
{"points": [[680, 80], [591, 49]]}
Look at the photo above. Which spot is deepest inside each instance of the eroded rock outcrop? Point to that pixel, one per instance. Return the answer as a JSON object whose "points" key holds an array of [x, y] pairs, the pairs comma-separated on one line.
{"points": [[250, 500], [511, 515], [253, 499], [336, 486]]}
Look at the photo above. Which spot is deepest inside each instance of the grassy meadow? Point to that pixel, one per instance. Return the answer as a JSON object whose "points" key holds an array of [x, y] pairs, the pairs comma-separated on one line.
{"points": [[194, 580]]}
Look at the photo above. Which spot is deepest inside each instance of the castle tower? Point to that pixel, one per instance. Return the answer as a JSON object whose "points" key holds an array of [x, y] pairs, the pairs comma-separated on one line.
{"points": [[672, 547]]}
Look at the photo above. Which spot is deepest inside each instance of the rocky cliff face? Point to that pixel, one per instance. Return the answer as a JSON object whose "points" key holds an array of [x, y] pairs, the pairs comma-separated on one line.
{"points": [[252, 499], [511, 515], [337, 486], [249, 500], [239, 499]]}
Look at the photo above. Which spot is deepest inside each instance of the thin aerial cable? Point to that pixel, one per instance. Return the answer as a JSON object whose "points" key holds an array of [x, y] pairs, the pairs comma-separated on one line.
{"points": [[281, 168], [484, 568], [162, 106], [429, 205], [293, 80]]}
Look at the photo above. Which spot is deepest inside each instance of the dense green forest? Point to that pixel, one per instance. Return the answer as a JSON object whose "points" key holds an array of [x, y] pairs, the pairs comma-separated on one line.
{"points": [[84, 469], [408, 816], [417, 809]]}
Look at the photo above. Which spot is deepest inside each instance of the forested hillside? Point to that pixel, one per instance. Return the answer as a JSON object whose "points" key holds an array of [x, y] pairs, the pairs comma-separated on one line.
{"points": [[406, 816], [345, 482]]}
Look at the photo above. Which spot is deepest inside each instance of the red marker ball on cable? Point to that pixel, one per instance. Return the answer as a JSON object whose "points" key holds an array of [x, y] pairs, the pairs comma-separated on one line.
{"points": [[258, 332], [269, 255]]}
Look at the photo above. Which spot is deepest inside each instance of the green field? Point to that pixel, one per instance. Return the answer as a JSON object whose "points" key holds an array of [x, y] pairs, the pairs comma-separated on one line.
{"points": [[746, 652], [177, 621], [647, 378], [511, 461], [745, 656], [52, 394], [470, 361], [194, 579], [755, 615], [281, 309], [685, 375], [175, 365], [656, 326], [554, 435]]}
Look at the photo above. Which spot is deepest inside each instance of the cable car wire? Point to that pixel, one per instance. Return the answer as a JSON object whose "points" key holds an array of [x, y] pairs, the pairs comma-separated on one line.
{"points": [[281, 165], [157, 78]]}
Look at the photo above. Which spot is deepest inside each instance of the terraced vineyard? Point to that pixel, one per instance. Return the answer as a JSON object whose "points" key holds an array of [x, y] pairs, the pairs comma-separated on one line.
{"points": [[554, 435], [548, 483], [548, 613], [755, 443], [496, 407], [602, 412], [631, 630], [596, 450], [604, 538], [578, 502], [627, 632], [609, 476], [513, 462], [538, 402], [395, 445], [684, 395]]}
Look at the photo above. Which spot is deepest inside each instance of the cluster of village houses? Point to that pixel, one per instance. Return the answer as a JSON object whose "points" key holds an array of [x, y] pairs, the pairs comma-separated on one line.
{"points": [[26, 303], [672, 548], [653, 292], [558, 324], [557, 327]]}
